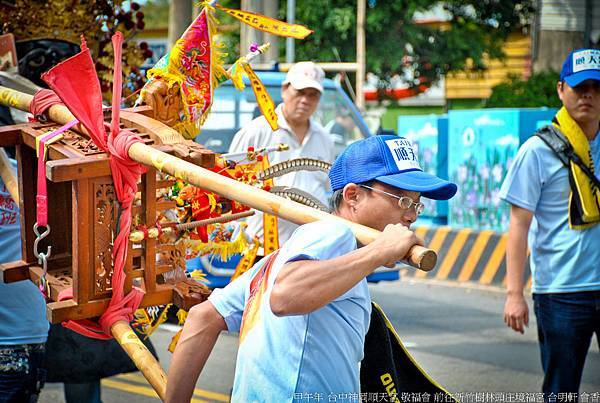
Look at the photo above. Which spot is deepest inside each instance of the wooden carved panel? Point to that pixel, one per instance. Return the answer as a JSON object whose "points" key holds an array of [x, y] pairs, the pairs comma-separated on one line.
{"points": [[105, 224], [171, 262], [80, 143]]}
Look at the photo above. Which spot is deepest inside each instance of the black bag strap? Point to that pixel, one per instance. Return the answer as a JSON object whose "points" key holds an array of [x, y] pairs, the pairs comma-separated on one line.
{"points": [[564, 150]]}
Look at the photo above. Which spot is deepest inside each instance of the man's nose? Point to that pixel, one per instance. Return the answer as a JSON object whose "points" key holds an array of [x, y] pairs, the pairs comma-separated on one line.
{"points": [[410, 215]]}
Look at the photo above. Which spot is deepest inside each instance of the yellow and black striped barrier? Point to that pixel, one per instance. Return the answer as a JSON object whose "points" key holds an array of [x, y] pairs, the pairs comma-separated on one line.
{"points": [[466, 255]]}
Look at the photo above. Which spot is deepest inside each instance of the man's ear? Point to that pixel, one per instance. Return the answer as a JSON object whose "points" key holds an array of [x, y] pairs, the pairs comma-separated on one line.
{"points": [[351, 194], [560, 87]]}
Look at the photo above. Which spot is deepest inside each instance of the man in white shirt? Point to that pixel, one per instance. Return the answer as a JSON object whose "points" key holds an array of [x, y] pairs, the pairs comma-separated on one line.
{"points": [[301, 91]]}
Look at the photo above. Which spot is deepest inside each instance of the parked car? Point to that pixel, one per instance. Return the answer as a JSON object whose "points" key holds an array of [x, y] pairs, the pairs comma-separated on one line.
{"points": [[232, 109]]}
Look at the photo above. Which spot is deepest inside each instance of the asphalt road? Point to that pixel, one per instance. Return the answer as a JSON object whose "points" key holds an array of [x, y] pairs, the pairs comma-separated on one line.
{"points": [[455, 333]]}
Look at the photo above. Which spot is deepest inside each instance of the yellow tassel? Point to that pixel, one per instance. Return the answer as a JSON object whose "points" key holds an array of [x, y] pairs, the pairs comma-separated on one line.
{"points": [[188, 129], [212, 200], [174, 341], [224, 249], [141, 320], [181, 316], [199, 276], [170, 78], [218, 73]]}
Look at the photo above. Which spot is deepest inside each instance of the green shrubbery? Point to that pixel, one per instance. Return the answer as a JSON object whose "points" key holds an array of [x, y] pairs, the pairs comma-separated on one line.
{"points": [[538, 90]]}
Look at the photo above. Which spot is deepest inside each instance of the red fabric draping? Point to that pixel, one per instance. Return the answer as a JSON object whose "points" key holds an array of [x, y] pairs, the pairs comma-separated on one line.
{"points": [[75, 81], [43, 100]]}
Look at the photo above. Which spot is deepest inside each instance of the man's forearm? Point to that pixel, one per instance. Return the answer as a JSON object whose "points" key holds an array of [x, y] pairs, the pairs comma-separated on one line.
{"points": [[308, 285], [516, 253], [304, 286], [516, 256], [197, 340]]}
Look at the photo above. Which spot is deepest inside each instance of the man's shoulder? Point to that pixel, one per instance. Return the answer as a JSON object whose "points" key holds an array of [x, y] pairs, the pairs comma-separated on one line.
{"points": [[534, 145], [256, 133], [319, 240], [320, 134], [258, 125], [328, 229]]}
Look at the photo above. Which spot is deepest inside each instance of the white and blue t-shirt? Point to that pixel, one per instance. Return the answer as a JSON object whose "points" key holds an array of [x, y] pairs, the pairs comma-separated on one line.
{"points": [[298, 358], [562, 259]]}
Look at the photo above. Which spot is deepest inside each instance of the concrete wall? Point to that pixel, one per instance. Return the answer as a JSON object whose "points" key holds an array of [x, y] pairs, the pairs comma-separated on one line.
{"points": [[554, 47], [563, 25]]}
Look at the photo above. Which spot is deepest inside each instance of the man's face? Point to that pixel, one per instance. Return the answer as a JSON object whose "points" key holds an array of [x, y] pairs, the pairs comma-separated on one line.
{"points": [[376, 210], [299, 105], [582, 102]]}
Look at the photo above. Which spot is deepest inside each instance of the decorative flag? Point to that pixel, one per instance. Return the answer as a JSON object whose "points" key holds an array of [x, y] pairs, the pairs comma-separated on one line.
{"points": [[195, 64], [268, 24]]}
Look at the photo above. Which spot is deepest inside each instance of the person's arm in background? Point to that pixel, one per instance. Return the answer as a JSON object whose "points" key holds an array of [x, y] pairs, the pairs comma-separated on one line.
{"points": [[516, 312], [202, 328]]}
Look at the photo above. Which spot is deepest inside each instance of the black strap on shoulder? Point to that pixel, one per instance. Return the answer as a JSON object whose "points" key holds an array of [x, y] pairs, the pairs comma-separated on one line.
{"points": [[564, 150]]}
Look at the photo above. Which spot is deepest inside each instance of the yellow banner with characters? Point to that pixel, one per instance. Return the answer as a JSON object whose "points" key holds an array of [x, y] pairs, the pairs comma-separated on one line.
{"points": [[264, 100], [247, 261], [270, 227], [268, 24]]}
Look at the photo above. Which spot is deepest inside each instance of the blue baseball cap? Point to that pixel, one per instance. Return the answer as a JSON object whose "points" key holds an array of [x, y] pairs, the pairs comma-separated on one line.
{"points": [[581, 65], [391, 160]]}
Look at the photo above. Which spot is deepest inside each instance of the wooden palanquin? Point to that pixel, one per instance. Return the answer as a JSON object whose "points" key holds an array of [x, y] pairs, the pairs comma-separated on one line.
{"points": [[83, 213]]}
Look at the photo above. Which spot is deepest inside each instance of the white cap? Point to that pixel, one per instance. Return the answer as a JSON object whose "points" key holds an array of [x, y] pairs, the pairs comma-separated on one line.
{"points": [[305, 75]]}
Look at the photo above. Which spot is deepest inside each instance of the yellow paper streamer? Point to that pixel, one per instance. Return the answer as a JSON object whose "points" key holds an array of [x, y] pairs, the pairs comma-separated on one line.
{"points": [[247, 261], [270, 226], [237, 74], [182, 316], [265, 103], [268, 24]]}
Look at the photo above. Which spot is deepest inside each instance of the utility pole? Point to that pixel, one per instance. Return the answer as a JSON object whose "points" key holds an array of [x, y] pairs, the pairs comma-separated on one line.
{"points": [[180, 17], [248, 35], [360, 54], [290, 45]]}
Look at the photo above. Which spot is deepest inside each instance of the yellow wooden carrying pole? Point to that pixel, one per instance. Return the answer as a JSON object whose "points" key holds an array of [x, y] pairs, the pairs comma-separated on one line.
{"points": [[143, 359], [419, 257]]}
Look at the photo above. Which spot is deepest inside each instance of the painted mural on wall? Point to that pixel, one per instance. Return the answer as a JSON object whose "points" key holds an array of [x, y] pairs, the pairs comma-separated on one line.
{"points": [[482, 145]]}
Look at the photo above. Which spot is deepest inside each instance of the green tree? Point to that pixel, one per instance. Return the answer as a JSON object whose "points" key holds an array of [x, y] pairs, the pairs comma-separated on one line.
{"points": [[476, 29], [538, 90], [156, 13]]}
